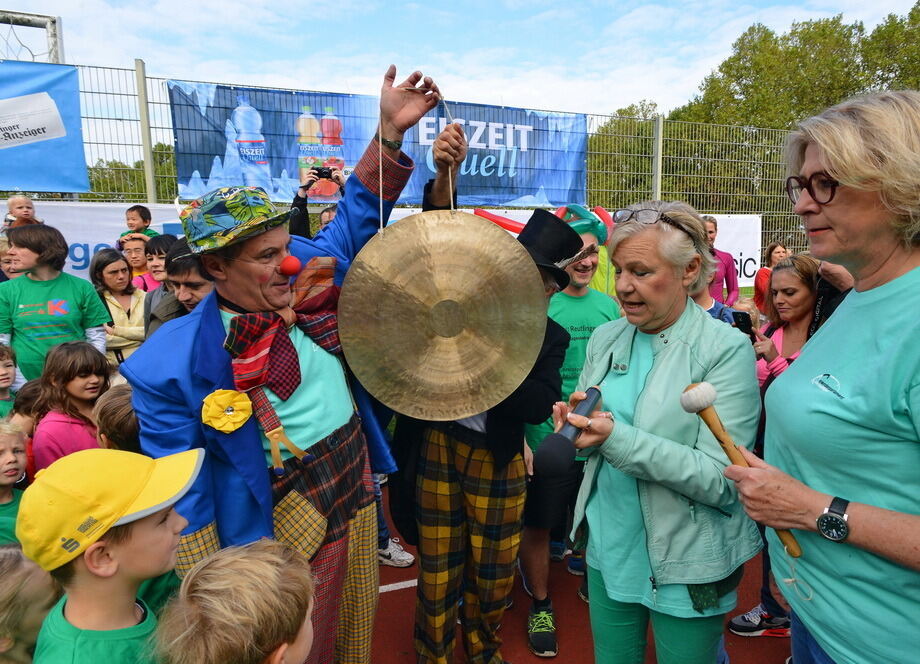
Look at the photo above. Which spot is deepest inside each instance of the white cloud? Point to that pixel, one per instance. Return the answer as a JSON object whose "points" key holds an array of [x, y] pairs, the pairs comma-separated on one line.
{"points": [[591, 56]]}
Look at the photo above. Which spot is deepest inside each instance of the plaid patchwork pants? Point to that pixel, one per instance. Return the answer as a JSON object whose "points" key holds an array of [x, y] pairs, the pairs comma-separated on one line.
{"points": [[324, 507], [470, 516]]}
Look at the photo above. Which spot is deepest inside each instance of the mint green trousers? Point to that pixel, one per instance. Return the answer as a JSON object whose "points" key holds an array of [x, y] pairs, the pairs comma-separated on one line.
{"points": [[620, 630]]}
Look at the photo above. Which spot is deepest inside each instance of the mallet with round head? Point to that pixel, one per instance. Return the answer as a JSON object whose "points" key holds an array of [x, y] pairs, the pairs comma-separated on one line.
{"points": [[699, 398]]}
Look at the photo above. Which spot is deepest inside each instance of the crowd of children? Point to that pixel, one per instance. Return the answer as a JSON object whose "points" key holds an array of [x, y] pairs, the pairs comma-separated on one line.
{"points": [[88, 529]]}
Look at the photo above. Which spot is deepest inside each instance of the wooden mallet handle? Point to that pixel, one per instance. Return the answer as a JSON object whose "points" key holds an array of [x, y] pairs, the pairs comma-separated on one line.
{"points": [[711, 418]]}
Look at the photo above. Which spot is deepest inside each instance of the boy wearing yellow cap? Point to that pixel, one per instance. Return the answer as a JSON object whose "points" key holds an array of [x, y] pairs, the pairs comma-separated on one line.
{"points": [[102, 522]]}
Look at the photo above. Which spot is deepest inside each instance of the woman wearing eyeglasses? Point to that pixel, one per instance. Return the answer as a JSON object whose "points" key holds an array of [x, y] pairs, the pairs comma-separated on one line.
{"points": [[843, 422], [667, 535]]}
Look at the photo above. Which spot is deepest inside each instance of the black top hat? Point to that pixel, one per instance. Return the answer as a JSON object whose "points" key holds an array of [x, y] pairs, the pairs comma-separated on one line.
{"points": [[550, 240]]}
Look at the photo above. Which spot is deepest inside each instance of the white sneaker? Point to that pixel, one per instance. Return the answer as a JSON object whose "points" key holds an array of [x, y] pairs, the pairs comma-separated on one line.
{"points": [[394, 555]]}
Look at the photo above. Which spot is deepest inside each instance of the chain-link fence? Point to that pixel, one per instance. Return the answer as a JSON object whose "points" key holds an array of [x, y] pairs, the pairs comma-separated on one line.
{"points": [[715, 168]]}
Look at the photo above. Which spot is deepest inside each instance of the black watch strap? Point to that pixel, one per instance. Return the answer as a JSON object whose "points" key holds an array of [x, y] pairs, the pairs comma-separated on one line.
{"points": [[838, 506]]}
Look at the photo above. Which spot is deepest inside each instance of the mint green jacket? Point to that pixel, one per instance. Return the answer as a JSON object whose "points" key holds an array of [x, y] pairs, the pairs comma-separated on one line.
{"points": [[697, 531]]}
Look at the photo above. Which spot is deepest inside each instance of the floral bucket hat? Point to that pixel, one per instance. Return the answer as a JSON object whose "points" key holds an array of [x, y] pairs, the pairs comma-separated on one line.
{"points": [[228, 215]]}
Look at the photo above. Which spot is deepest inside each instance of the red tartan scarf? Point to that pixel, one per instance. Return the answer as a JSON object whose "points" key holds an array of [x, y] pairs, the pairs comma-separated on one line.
{"points": [[264, 355]]}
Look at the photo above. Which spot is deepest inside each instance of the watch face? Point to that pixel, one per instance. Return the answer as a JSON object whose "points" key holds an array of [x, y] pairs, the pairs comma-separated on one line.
{"points": [[833, 527]]}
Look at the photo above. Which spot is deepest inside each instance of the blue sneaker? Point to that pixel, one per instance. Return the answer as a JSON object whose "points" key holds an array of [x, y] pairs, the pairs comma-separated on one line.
{"points": [[556, 550], [576, 563]]}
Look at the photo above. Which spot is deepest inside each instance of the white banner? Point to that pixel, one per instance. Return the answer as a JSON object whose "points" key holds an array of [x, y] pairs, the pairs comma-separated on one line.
{"points": [[739, 235], [89, 227]]}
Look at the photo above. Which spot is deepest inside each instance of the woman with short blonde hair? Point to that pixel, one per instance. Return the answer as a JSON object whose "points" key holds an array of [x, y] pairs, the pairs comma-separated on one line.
{"points": [[841, 440]]}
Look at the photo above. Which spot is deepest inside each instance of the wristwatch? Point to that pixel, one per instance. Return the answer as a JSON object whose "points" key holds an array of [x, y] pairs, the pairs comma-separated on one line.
{"points": [[832, 524], [393, 145]]}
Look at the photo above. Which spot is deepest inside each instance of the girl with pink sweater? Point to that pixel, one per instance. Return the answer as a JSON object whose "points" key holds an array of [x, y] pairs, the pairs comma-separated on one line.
{"points": [[75, 375], [790, 308]]}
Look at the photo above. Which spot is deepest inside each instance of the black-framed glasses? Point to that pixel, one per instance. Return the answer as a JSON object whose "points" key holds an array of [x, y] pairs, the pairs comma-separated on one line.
{"points": [[820, 186], [648, 217]]}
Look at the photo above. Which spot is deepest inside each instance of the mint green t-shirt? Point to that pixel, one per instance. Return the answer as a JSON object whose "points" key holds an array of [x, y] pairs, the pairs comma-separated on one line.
{"points": [[42, 314], [579, 316], [59, 642], [320, 404], [8, 513], [844, 418], [616, 529]]}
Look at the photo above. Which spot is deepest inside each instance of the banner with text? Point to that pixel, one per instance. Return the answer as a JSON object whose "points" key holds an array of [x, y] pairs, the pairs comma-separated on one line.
{"points": [[41, 137], [271, 138]]}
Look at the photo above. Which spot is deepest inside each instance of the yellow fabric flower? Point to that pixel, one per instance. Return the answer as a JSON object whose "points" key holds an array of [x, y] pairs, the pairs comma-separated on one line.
{"points": [[226, 410]]}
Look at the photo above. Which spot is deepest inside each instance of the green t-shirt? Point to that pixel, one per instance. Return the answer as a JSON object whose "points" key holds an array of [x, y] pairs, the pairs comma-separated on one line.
{"points": [[158, 591], [580, 316], [616, 528], [6, 405], [8, 513], [844, 418], [320, 404], [59, 642], [149, 232], [42, 314]]}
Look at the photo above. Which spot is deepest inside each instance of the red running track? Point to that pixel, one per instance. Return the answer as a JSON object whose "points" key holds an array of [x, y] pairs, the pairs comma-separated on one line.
{"points": [[395, 618]]}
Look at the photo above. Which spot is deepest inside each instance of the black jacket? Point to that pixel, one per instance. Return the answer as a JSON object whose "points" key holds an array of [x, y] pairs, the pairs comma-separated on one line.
{"points": [[531, 403]]}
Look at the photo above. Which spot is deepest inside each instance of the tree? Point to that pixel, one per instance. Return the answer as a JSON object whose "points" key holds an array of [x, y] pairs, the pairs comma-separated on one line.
{"points": [[113, 180], [620, 156], [772, 81], [891, 54]]}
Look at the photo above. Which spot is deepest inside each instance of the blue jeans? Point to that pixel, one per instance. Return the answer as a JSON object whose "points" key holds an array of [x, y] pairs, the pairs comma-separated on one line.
{"points": [[805, 650]]}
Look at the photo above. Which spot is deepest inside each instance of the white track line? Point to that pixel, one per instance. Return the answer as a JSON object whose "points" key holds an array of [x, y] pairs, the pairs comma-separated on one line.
{"points": [[402, 585]]}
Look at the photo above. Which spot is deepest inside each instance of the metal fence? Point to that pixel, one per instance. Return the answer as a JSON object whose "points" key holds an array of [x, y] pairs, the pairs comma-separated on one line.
{"points": [[128, 136]]}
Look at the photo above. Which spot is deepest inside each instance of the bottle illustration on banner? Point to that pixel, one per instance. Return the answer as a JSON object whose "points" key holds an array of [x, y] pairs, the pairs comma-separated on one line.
{"points": [[308, 132], [251, 145], [332, 128], [332, 154]]}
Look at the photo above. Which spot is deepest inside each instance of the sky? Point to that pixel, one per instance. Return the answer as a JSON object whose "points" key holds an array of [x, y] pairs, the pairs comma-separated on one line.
{"points": [[583, 55]]}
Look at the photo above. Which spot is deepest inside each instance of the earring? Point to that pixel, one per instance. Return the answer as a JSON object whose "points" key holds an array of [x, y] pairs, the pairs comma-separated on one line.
{"points": [[21, 477]]}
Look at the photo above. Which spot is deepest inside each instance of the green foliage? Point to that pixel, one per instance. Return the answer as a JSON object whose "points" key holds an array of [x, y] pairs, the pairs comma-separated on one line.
{"points": [[113, 180], [716, 154]]}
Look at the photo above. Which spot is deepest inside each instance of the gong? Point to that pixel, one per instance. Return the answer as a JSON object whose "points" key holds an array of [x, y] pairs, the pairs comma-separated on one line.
{"points": [[442, 315]]}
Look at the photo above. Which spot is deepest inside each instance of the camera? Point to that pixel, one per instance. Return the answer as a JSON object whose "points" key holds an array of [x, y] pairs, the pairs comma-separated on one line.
{"points": [[322, 172]]}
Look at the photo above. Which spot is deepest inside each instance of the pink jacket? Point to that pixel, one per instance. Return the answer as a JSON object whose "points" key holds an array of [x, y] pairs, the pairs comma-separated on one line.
{"points": [[727, 274], [145, 282], [780, 364], [58, 435]]}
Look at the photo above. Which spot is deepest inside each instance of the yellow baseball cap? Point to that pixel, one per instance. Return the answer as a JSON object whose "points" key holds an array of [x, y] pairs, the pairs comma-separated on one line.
{"points": [[78, 498]]}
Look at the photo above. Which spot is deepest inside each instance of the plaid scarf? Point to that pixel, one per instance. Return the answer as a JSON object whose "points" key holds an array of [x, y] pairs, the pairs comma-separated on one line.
{"points": [[264, 355]]}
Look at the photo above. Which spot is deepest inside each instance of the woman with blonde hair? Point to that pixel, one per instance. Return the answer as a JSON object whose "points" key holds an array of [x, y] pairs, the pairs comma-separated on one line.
{"points": [[842, 441]]}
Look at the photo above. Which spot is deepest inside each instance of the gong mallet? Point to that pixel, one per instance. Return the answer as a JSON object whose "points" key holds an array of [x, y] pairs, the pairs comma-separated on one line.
{"points": [[699, 398]]}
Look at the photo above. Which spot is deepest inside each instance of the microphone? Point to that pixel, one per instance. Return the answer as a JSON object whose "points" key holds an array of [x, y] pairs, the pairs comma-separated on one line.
{"points": [[699, 398], [554, 455]]}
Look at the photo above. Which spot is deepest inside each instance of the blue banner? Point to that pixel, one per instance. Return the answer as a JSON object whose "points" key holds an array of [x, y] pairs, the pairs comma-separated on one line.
{"points": [[41, 137], [271, 138]]}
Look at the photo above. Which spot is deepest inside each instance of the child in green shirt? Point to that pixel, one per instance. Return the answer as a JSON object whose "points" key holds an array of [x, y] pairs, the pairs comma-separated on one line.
{"points": [[12, 469], [247, 604], [7, 376], [102, 522]]}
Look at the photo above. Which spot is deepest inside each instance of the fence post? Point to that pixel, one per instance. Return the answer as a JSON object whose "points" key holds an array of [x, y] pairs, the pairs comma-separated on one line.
{"points": [[658, 139], [143, 114]]}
